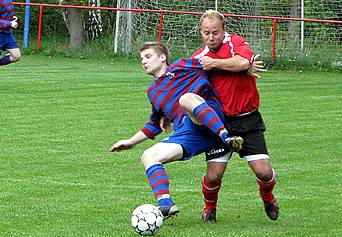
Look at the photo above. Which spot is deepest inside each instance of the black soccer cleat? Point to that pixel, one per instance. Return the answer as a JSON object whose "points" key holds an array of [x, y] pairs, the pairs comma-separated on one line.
{"points": [[272, 209], [209, 215], [234, 143], [169, 211]]}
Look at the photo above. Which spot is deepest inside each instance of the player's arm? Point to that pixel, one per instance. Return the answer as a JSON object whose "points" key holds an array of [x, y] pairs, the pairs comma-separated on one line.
{"points": [[129, 143], [233, 64], [257, 67], [241, 61]]}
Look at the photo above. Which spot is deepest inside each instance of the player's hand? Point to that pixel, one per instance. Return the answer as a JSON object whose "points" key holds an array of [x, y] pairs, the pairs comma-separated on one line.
{"points": [[165, 125], [257, 67], [122, 145], [14, 23], [207, 63]]}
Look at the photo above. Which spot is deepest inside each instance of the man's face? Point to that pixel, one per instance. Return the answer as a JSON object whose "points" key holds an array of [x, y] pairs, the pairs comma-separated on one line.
{"points": [[152, 62], [212, 33]]}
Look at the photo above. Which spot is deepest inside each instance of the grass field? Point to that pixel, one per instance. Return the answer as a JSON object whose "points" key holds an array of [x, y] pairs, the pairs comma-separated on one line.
{"points": [[60, 116]]}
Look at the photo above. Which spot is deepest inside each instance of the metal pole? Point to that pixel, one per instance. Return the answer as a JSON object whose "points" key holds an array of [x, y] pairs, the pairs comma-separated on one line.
{"points": [[160, 26], [40, 27], [302, 27], [216, 5], [117, 31], [27, 24], [129, 28], [274, 39]]}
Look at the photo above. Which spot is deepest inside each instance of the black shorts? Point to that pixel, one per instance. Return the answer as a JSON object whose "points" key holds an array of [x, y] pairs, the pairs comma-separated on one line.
{"points": [[251, 128]]}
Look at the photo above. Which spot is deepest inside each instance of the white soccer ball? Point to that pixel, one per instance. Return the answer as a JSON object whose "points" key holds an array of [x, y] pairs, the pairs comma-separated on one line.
{"points": [[147, 219]]}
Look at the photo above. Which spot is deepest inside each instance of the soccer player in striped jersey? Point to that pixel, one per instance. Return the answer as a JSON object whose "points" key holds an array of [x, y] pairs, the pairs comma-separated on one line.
{"points": [[228, 60], [182, 94], [7, 41]]}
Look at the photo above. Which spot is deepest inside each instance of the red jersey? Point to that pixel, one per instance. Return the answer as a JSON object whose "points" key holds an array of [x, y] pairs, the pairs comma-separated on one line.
{"points": [[237, 91]]}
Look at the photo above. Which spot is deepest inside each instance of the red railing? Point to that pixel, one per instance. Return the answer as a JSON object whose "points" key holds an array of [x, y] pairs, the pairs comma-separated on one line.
{"points": [[162, 12]]}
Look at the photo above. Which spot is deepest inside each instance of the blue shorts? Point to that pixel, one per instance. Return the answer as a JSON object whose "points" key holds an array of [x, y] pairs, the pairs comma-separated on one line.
{"points": [[7, 41], [196, 139]]}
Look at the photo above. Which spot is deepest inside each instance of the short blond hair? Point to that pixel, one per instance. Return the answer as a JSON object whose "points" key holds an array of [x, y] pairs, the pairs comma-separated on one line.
{"points": [[212, 14], [159, 48]]}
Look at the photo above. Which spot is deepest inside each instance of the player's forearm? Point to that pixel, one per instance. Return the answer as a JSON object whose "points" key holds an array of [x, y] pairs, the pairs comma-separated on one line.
{"points": [[138, 138], [233, 64]]}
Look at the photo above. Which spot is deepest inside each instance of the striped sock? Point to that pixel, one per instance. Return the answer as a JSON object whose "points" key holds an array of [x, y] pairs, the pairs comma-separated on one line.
{"points": [[209, 118], [159, 183]]}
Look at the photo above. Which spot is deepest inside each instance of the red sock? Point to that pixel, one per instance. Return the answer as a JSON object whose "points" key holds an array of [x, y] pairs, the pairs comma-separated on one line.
{"points": [[210, 193], [266, 188]]}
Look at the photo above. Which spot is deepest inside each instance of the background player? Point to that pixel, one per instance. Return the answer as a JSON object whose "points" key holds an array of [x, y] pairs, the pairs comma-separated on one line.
{"points": [[228, 57], [183, 81], [7, 41]]}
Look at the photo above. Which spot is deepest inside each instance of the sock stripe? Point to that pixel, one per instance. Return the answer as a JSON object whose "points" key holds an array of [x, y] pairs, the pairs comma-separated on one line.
{"points": [[162, 182], [158, 173], [161, 192], [216, 124]]}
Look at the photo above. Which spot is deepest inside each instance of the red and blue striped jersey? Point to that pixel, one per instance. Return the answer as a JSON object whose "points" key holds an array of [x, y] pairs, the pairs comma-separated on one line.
{"points": [[182, 76], [6, 15]]}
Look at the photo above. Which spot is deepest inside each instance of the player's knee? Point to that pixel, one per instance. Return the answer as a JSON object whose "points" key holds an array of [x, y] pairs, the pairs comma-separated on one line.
{"points": [[265, 175], [214, 178], [150, 157], [185, 100], [15, 56]]}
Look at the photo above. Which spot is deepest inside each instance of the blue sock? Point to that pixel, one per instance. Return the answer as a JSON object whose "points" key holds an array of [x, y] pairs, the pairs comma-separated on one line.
{"points": [[165, 201]]}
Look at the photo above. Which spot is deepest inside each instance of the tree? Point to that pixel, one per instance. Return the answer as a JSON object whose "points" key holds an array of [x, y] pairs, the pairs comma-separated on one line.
{"points": [[95, 27], [74, 20]]}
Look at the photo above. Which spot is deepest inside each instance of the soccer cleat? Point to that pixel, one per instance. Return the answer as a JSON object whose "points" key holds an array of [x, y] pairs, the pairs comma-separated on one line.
{"points": [[209, 215], [169, 211], [272, 209], [234, 143]]}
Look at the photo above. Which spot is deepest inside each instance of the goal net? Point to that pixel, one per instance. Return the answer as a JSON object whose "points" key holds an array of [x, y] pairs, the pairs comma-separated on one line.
{"points": [[181, 32]]}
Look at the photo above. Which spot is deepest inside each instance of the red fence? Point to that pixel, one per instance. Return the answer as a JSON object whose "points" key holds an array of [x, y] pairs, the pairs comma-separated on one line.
{"points": [[163, 12]]}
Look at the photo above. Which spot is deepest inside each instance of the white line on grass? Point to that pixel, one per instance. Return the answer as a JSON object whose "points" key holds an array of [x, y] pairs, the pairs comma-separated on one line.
{"points": [[139, 187]]}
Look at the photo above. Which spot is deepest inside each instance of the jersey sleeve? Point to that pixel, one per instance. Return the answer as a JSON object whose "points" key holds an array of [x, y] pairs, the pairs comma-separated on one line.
{"points": [[152, 126], [6, 15], [5, 25], [241, 48]]}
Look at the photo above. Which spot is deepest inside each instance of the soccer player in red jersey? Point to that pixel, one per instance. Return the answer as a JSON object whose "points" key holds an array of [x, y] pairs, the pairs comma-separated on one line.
{"points": [[228, 58], [181, 93], [7, 42]]}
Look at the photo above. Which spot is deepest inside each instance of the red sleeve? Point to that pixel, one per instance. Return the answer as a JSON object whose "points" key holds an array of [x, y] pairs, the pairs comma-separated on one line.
{"points": [[241, 48]]}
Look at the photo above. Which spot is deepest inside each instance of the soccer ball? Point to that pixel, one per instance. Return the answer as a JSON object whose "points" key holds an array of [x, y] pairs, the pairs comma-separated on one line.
{"points": [[147, 219]]}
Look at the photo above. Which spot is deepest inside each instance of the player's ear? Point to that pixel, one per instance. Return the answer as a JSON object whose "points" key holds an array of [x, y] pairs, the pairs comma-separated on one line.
{"points": [[163, 57]]}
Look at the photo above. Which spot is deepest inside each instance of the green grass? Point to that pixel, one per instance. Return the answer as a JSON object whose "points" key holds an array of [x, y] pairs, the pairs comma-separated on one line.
{"points": [[59, 117]]}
